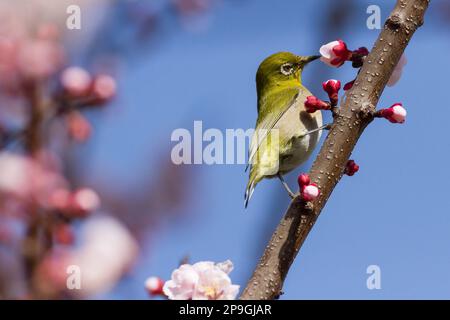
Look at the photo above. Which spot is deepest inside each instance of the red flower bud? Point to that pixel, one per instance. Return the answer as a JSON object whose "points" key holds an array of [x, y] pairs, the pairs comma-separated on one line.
{"points": [[312, 104], [303, 180], [332, 87], [395, 113], [349, 85], [335, 53], [154, 286], [361, 51], [351, 168]]}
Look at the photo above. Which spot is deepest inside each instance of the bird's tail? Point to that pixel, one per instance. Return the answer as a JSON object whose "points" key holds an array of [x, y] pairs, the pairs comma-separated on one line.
{"points": [[253, 180]]}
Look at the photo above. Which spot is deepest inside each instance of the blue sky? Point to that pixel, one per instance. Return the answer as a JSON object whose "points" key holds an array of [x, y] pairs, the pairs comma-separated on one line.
{"points": [[393, 213]]}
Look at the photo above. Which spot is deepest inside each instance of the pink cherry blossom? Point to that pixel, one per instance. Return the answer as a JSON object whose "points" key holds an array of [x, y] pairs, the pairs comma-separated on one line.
{"points": [[397, 73], [78, 127], [182, 283], [26, 178], [76, 81], [85, 200], [107, 251], [395, 114], [310, 192], [39, 58], [335, 53], [204, 280], [104, 87]]}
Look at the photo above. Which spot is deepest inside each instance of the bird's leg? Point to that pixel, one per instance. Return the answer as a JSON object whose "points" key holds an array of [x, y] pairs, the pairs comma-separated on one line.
{"points": [[285, 185], [324, 127]]}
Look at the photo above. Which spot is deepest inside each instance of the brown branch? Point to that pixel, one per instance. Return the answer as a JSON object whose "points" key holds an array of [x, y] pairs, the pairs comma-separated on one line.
{"points": [[356, 113], [37, 239]]}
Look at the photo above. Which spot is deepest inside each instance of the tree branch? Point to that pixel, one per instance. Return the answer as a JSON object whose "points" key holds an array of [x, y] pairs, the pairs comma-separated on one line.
{"points": [[356, 112]]}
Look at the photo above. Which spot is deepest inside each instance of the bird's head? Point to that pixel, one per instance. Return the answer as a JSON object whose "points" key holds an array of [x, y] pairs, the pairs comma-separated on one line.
{"points": [[281, 67]]}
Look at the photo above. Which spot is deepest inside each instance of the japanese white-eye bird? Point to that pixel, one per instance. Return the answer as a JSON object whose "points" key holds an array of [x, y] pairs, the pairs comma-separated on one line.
{"points": [[285, 134]]}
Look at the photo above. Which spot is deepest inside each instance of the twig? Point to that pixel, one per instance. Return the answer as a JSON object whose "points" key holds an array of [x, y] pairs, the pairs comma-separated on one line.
{"points": [[37, 240], [356, 113]]}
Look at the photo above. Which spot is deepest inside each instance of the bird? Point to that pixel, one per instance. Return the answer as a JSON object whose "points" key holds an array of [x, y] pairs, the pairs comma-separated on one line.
{"points": [[285, 134]]}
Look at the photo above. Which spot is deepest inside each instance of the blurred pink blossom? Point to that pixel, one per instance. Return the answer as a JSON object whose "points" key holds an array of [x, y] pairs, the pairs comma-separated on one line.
{"points": [[86, 200], [25, 178], [108, 250], [78, 127], [76, 81], [39, 59], [104, 87], [397, 73]]}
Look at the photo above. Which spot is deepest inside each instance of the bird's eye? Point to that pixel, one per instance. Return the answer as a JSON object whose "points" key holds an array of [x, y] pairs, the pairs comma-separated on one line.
{"points": [[287, 69]]}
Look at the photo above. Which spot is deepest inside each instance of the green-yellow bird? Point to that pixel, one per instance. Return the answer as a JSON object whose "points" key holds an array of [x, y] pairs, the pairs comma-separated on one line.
{"points": [[285, 134]]}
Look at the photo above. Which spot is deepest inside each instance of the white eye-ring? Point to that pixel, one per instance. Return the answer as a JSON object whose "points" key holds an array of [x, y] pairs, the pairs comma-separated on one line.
{"points": [[287, 69]]}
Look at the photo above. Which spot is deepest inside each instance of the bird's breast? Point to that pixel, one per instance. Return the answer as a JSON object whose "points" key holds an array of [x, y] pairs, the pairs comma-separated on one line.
{"points": [[296, 146]]}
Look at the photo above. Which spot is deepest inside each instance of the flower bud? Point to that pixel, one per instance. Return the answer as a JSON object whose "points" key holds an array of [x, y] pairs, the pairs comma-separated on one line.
{"points": [[332, 87], [335, 53], [104, 87], [76, 81], [395, 114], [312, 104], [351, 168], [154, 286], [303, 180], [84, 201], [349, 85], [310, 192]]}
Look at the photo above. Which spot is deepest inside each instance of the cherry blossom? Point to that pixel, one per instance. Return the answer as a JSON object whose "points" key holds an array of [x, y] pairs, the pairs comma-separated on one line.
{"points": [[397, 73], [76, 81], [335, 53], [395, 113], [309, 191], [204, 280]]}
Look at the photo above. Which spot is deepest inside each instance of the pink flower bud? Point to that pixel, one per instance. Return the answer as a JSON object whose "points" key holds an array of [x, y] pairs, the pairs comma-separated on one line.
{"points": [[154, 286], [104, 87], [335, 53], [76, 81], [310, 192], [312, 104], [39, 59], [303, 180], [78, 127], [84, 201], [60, 199], [332, 87], [395, 114], [351, 168]]}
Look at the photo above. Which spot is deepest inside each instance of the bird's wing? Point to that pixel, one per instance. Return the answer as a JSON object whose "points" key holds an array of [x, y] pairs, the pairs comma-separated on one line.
{"points": [[273, 108]]}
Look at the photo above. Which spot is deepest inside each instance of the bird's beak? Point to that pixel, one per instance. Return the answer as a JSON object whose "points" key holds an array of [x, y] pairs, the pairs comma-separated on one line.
{"points": [[310, 58]]}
